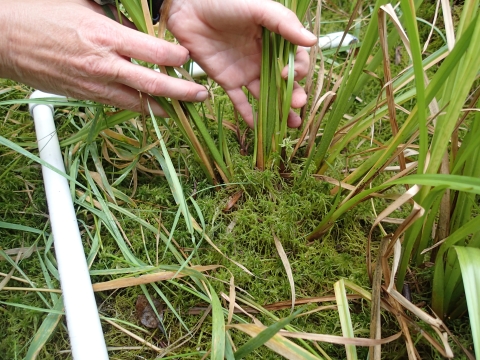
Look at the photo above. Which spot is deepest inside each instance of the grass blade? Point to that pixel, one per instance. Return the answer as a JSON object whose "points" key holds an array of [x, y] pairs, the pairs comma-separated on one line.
{"points": [[469, 262], [45, 331], [151, 278], [171, 175], [264, 336], [345, 319], [23, 228], [277, 343], [218, 327], [286, 265]]}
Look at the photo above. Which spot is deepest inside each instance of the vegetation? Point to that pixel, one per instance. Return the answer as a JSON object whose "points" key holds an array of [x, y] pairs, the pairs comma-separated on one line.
{"points": [[271, 226]]}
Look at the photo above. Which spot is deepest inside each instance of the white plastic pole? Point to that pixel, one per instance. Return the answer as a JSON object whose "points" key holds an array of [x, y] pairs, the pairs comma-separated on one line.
{"points": [[84, 328], [331, 41]]}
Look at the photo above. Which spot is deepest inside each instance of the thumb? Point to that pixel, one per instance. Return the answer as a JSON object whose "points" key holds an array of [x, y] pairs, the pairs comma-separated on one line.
{"points": [[279, 19]]}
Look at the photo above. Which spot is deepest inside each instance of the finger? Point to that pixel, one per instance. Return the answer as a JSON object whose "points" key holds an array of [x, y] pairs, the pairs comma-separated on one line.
{"points": [[254, 88], [240, 102], [301, 65], [155, 83], [277, 18], [135, 44], [294, 120], [299, 97], [123, 97]]}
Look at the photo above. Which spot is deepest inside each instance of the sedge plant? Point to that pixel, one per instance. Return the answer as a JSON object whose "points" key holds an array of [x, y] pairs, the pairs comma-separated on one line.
{"points": [[275, 93]]}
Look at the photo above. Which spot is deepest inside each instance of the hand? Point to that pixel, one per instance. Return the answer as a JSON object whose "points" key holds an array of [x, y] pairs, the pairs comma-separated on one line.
{"points": [[71, 48], [225, 38]]}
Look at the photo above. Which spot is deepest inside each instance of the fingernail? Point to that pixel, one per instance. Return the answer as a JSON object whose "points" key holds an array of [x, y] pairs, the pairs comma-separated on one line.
{"points": [[201, 96], [295, 74], [308, 34]]}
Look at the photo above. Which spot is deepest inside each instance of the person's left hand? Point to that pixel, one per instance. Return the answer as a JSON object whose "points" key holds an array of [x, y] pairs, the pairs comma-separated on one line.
{"points": [[225, 39], [69, 47]]}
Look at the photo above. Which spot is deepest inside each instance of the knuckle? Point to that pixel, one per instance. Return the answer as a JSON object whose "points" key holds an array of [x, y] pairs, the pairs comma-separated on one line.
{"points": [[154, 87], [91, 65], [100, 34], [95, 58], [286, 15], [93, 90], [95, 67], [160, 53], [185, 92], [130, 104]]}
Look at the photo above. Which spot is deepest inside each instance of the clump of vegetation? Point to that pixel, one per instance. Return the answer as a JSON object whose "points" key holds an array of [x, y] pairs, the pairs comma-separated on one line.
{"points": [[384, 169]]}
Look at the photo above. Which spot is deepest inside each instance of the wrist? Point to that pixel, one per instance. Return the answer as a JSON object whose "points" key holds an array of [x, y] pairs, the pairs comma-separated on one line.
{"points": [[7, 26]]}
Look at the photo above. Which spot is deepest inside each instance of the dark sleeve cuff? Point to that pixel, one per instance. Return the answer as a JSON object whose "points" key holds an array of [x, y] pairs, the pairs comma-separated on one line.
{"points": [[104, 2], [155, 10]]}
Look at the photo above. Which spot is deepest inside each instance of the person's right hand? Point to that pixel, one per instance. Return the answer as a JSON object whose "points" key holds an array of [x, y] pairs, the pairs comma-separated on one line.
{"points": [[225, 38], [71, 48]]}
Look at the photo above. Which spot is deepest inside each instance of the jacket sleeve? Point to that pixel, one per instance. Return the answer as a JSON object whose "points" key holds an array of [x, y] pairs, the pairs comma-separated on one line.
{"points": [[104, 2], [155, 7]]}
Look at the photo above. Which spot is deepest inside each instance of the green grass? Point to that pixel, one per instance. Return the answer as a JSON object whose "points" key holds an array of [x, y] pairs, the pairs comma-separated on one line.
{"points": [[269, 203]]}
